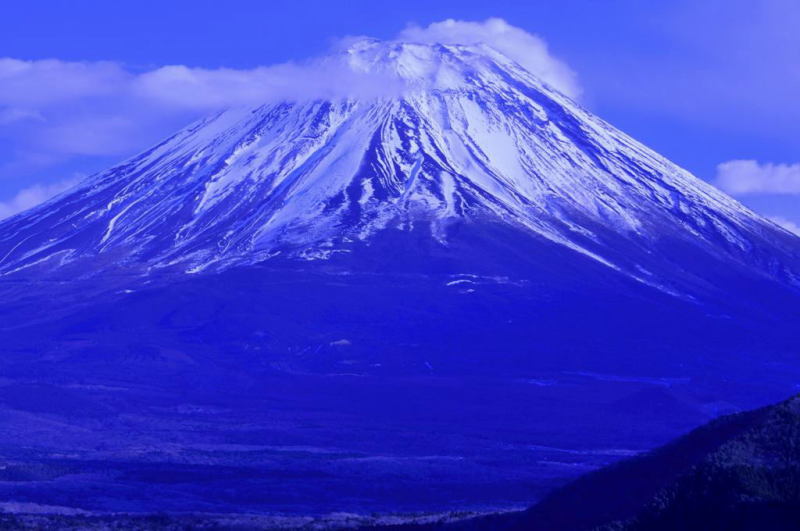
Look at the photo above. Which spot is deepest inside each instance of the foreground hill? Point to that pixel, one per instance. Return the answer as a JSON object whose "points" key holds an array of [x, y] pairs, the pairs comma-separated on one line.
{"points": [[739, 472]]}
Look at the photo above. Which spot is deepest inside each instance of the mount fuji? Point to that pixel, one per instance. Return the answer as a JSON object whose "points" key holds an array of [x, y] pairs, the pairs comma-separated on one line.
{"points": [[462, 286]]}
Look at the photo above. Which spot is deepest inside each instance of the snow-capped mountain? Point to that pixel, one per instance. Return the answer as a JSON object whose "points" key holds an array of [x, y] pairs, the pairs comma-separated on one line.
{"points": [[458, 284], [461, 137]]}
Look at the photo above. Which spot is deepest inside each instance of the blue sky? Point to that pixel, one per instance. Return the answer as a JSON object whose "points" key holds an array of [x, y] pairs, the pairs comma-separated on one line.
{"points": [[704, 82]]}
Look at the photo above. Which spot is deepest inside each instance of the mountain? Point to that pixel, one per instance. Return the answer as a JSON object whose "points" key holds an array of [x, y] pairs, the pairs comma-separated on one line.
{"points": [[738, 472], [459, 285]]}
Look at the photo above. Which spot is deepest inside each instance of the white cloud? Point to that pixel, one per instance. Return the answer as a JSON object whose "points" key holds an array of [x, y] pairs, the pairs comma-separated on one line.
{"points": [[743, 177], [787, 224], [527, 49], [33, 195], [32, 84], [179, 87]]}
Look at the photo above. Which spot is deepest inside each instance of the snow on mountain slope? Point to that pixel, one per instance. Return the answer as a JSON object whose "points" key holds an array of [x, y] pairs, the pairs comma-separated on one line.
{"points": [[463, 136]]}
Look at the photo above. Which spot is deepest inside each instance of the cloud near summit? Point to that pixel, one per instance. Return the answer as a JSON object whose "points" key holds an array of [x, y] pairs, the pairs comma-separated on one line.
{"points": [[527, 49]]}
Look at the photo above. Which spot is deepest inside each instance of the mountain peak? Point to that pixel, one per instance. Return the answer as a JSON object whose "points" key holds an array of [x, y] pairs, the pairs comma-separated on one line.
{"points": [[427, 66]]}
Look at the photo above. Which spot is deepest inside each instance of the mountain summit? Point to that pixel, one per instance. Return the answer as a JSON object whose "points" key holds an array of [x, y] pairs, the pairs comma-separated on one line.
{"points": [[462, 138]]}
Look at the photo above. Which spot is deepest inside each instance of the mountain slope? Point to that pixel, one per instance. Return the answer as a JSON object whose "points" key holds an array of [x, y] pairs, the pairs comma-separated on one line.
{"points": [[751, 482]]}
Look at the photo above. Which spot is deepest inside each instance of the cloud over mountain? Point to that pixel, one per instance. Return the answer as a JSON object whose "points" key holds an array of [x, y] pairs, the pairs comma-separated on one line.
{"points": [[744, 177], [529, 50], [32, 196]]}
